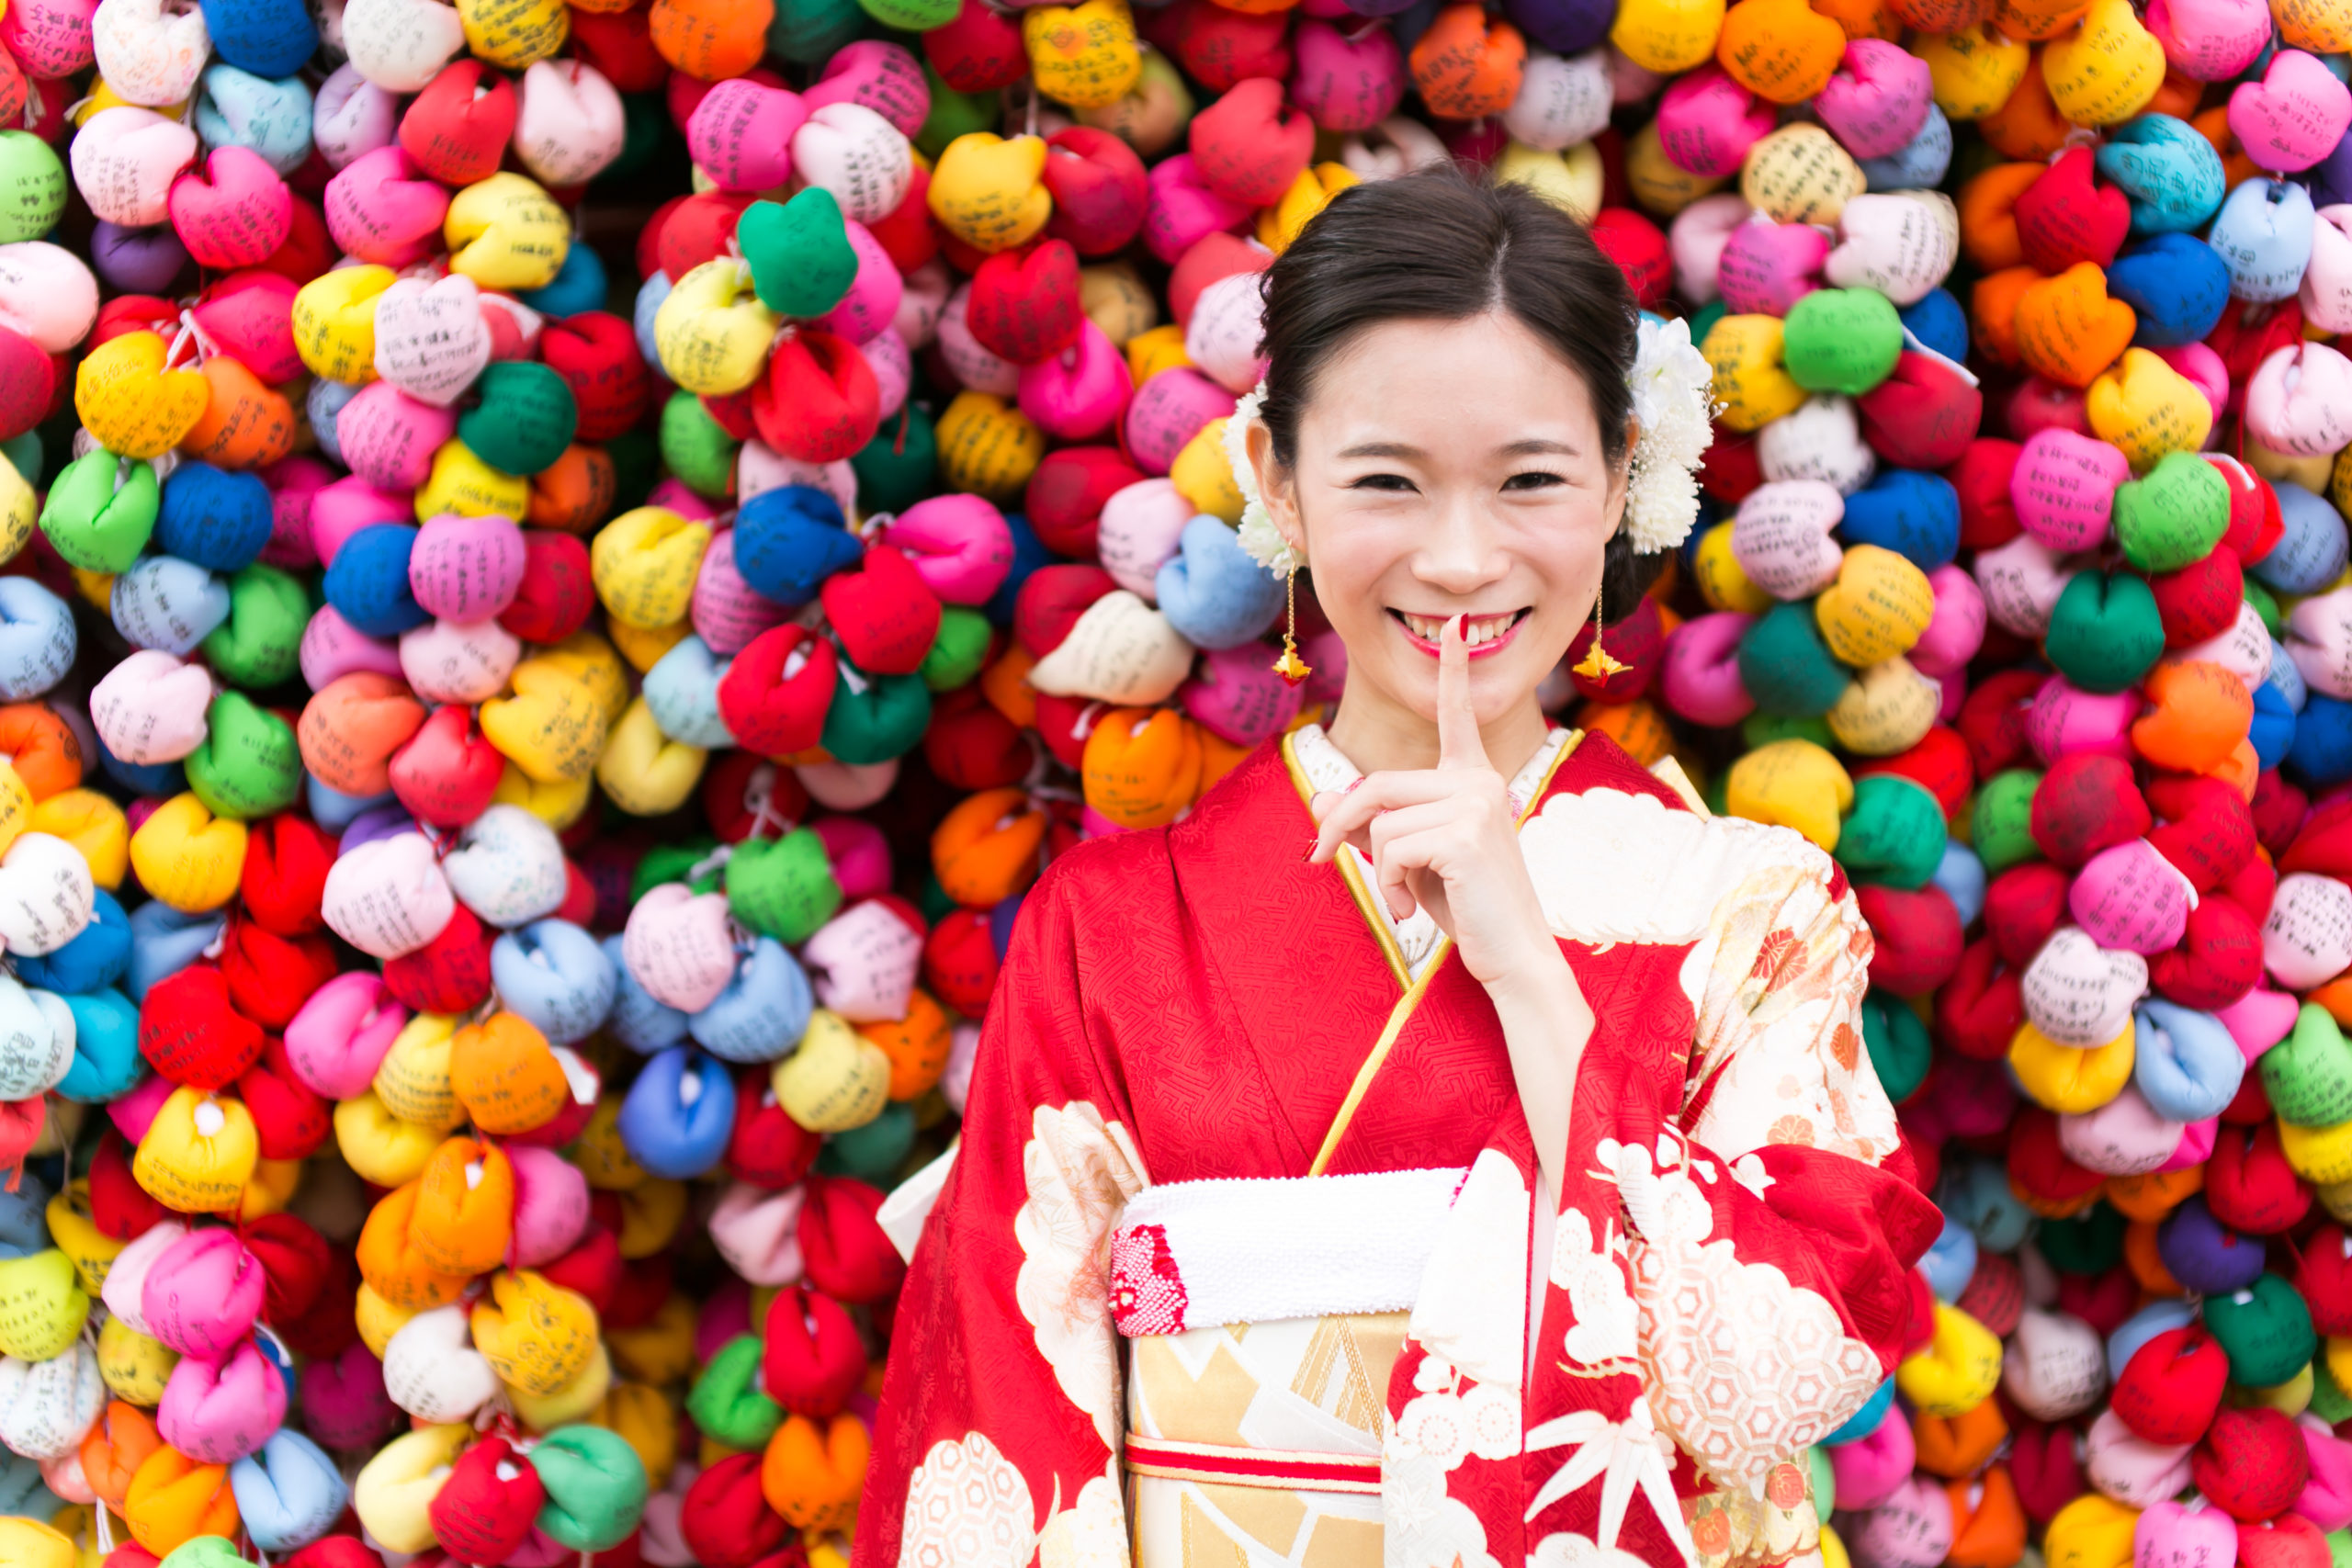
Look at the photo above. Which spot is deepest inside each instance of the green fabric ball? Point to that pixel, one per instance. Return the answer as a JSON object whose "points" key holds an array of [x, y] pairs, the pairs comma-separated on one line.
{"points": [[1897, 1042], [204, 1552], [2087, 1242], [900, 464], [1787, 668], [698, 451], [783, 888], [1841, 340], [809, 32], [101, 510], [260, 645], [32, 186], [875, 717], [871, 1153], [953, 114], [2266, 1331], [2329, 1401], [596, 1487], [2308, 1076], [931, 901], [248, 764], [912, 16], [727, 1402], [1895, 835], [2105, 632], [2174, 516], [525, 419], [798, 251], [2265, 606], [1707, 315], [2001, 826], [1825, 1478], [959, 650], [670, 862]]}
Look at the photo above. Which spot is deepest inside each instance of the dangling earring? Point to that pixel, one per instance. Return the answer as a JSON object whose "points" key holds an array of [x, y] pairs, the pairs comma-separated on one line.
{"points": [[1290, 666], [1596, 664]]}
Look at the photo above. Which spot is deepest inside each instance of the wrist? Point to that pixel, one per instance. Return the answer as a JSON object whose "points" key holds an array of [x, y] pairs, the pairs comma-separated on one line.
{"points": [[1538, 978]]}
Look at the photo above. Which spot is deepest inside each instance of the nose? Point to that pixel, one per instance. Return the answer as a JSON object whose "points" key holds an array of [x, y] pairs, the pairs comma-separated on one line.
{"points": [[1462, 552]]}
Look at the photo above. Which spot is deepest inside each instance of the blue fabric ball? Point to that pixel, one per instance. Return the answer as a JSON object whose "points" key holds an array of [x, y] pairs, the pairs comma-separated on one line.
{"points": [[2176, 285], [789, 541], [1029, 553], [1915, 515], [556, 978], [163, 942], [98, 955], [2310, 554], [105, 1047], [1939, 322], [2167, 170], [217, 519], [2273, 734], [367, 584], [1212, 592], [268, 38], [679, 1114], [579, 284]]}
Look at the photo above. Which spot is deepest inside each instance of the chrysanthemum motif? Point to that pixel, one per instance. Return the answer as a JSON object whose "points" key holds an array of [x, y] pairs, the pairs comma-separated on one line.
{"points": [[1673, 388]]}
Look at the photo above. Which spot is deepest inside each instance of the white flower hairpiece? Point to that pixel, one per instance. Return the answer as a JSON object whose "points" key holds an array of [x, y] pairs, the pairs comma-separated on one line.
{"points": [[1673, 387]]}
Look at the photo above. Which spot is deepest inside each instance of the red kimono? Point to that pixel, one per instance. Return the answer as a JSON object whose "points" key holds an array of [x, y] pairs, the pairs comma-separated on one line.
{"points": [[1138, 1330]]}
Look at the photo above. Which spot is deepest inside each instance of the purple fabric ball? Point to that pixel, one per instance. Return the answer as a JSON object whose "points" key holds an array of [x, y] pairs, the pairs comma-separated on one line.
{"points": [[138, 261]]}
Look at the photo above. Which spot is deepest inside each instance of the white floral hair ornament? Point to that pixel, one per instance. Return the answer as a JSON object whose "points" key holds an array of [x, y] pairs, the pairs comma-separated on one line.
{"points": [[1673, 388]]}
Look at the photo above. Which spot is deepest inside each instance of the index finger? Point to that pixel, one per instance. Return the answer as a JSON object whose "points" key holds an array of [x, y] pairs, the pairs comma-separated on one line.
{"points": [[1458, 742]]}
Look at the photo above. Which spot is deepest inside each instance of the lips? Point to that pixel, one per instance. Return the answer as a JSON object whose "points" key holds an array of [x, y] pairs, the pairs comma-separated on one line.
{"points": [[1485, 634]]}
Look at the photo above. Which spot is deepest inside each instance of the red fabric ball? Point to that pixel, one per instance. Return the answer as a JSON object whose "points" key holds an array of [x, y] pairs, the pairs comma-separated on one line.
{"points": [[1994, 1295], [767, 1148], [295, 1261], [978, 51], [2208, 832], [450, 974], [960, 962], [592, 1268], [812, 1360], [1923, 416], [2200, 600], [120, 1207], [333, 1552], [971, 746], [2255, 524], [1639, 249], [909, 236], [2103, 1301], [1919, 938], [726, 1522], [1023, 306], [772, 714], [2022, 906], [2086, 803], [644, 1286], [595, 353], [2040, 1169], [2250, 1185], [291, 1120], [2324, 1278], [2172, 1385], [697, 230], [484, 1509], [1991, 721], [819, 402], [190, 1032], [2280, 811], [285, 875], [1937, 763], [270, 976], [1051, 601], [843, 1246], [2251, 1464], [2043, 1466], [885, 614], [1066, 492], [1981, 1008], [457, 127], [557, 591], [2290, 1540], [1733, 469], [1989, 519], [2219, 959]]}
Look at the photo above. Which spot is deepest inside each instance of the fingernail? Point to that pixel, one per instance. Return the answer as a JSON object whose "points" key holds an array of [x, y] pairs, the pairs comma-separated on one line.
{"points": [[1352, 786], [1462, 626]]}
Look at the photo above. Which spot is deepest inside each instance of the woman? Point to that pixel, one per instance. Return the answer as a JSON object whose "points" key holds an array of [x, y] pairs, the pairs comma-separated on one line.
{"points": [[1277, 1104]]}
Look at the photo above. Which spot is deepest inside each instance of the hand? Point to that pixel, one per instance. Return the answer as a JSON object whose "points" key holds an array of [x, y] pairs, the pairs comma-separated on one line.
{"points": [[1446, 839]]}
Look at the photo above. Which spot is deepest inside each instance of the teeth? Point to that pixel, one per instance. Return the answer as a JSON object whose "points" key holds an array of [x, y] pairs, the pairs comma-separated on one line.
{"points": [[1433, 628]]}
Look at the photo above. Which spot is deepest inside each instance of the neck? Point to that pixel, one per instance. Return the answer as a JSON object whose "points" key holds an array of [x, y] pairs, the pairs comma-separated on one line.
{"points": [[1379, 736]]}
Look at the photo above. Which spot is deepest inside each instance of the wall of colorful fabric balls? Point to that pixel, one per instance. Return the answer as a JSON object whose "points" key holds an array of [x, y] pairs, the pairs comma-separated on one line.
{"points": [[568, 565]]}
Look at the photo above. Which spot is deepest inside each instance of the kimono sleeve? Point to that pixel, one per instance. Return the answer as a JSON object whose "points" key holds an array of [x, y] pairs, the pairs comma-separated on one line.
{"points": [[1774, 1226], [996, 1443]]}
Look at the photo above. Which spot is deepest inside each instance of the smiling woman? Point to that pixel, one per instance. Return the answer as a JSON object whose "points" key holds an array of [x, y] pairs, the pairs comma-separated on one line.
{"points": [[1447, 1146]]}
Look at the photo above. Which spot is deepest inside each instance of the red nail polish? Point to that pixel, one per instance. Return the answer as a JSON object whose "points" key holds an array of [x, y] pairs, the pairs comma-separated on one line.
{"points": [[1462, 626]]}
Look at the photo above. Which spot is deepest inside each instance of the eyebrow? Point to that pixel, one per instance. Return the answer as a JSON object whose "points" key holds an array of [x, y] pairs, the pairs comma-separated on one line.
{"points": [[1533, 447]]}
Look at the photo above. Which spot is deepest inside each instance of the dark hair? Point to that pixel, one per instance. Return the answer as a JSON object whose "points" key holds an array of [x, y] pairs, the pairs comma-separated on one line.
{"points": [[1435, 246]]}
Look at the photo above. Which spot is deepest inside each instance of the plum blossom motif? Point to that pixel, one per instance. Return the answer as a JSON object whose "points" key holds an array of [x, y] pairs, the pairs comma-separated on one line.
{"points": [[1608, 1324]]}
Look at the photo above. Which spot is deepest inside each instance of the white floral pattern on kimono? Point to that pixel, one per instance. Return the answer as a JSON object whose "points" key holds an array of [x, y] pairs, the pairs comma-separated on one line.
{"points": [[1081, 1173]]}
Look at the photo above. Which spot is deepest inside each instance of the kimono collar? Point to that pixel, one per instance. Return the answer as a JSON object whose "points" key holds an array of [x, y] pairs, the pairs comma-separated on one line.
{"points": [[1318, 765]]}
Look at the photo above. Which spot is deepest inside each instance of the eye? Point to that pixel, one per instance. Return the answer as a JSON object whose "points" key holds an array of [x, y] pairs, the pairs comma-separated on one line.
{"points": [[1535, 479], [1396, 484]]}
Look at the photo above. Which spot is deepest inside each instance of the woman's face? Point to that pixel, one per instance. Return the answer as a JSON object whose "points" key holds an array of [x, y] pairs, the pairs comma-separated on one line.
{"points": [[1447, 469]]}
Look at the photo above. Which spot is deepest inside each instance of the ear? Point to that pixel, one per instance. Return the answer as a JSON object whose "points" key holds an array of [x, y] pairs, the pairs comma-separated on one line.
{"points": [[1277, 486], [1620, 476]]}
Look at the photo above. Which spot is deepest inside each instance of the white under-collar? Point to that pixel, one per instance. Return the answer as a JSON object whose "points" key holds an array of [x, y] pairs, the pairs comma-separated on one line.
{"points": [[1328, 769]]}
